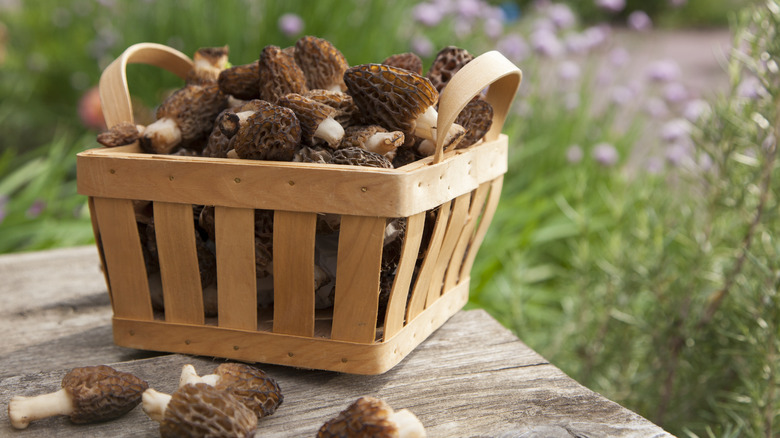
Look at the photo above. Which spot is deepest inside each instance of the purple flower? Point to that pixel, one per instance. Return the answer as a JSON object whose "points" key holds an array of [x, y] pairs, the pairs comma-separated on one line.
{"points": [[36, 208], [290, 24], [663, 71], [605, 154], [677, 153], [676, 130], [561, 15], [639, 20], [705, 161], [675, 92], [695, 109], [546, 43], [619, 56], [469, 9], [576, 43], [574, 154], [611, 5], [428, 14], [656, 108], [422, 46], [751, 88], [514, 47], [596, 35], [493, 27], [569, 70]]}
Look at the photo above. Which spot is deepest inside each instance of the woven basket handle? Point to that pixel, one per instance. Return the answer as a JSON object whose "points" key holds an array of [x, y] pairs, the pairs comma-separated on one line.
{"points": [[114, 93], [490, 68]]}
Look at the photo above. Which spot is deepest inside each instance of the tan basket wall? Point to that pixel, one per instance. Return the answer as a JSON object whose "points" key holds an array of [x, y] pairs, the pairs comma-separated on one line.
{"points": [[464, 186]]}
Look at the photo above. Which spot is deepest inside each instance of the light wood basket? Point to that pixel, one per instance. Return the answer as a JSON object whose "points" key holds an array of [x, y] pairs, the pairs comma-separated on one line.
{"points": [[463, 185]]}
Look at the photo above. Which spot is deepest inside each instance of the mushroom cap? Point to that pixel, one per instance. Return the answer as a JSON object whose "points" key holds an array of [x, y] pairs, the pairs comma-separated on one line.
{"points": [[447, 62], [253, 387], [347, 113], [202, 410], [279, 74], [366, 417], [322, 63], [356, 156], [477, 118], [271, 133], [310, 114], [193, 108], [102, 393], [407, 61], [121, 134], [313, 154], [390, 96], [241, 81]]}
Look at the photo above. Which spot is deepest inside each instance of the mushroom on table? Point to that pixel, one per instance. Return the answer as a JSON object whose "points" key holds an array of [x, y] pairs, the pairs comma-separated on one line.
{"points": [[371, 417], [88, 394], [199, 410], [251, 385]]}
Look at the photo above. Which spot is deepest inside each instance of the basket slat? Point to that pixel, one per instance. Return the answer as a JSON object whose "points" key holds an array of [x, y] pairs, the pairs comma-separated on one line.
{"points": [[394, 319], [420, 291], [454, 228], [475, 208], [174, 229], [294, 236], [484, 222], [124, 258], [236, 279], [356, 302]]}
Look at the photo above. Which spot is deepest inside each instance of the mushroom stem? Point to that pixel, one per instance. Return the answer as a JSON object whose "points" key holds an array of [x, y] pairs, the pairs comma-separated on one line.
{"points": [[409, 426], [23, 410], [329, 130], [154, 403], [426, 124], [161, 136], [189, 375], [384, 142]]}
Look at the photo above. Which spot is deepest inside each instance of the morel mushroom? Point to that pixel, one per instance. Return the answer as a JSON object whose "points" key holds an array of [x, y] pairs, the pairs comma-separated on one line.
{"points": [[373, 138], [448, 61], [208, 62], [279, 74], [372, 417], [316, 119], [322, 63], [253, 387], [477, 118], [185, 118], [313, 154], [241, 81], [399, 100], [271, 133], [199, 410], [88, 394], [121, 134], [407, 61], [356, 156], [347, 113]]}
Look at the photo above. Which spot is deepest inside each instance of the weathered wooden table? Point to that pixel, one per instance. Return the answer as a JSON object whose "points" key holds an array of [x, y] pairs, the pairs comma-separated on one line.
{"points": [[470, 378]]}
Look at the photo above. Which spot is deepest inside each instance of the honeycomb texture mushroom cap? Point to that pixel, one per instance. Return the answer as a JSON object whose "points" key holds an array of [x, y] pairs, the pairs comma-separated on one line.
{"points": [[477, 118], [356, 156], [201, 410], [102, 393], [322, 63], [119, 135], [390, 96], [253, 387], [279, 74], [241, 81], [347, 113], [407, 61], [447, 62], [271, 133], [367, 417], [313, 115]]}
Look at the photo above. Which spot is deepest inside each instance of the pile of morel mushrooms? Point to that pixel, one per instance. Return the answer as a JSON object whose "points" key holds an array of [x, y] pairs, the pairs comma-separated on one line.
{"points": [[303, 104], [230, 402]]}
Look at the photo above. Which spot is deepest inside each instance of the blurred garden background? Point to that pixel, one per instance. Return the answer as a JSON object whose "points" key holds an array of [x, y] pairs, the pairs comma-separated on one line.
{"points": [[637, 241]]}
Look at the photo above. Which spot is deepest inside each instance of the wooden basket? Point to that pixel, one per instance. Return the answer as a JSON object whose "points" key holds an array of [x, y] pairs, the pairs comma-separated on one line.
{"points": [[462, 185]]}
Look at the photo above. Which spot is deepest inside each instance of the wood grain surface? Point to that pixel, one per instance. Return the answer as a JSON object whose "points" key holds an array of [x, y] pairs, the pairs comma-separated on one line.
{"points": [[470, 378]]}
